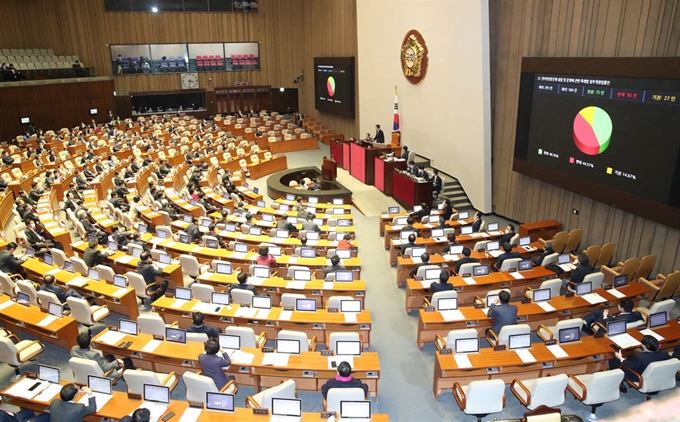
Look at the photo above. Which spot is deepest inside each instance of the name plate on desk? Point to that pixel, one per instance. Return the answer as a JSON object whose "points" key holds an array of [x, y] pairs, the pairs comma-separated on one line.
{"points": [[569, 294], [288, 308], [326, 353], [267, 350], [429, 309], [418, 278], [446, 351], [134, 396], [263, 411], [499, 347], [196, 404], [327, 415], [525, 300], [158, 337], [331, 310], [550, 342], [478, 305]]}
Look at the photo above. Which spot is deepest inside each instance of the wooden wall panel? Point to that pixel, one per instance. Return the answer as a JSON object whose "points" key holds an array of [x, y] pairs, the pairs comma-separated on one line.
{"points": [[588, 28]]}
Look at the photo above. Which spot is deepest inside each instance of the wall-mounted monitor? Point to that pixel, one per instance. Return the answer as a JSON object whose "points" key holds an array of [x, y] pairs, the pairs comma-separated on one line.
{"points": [[334, 85]]}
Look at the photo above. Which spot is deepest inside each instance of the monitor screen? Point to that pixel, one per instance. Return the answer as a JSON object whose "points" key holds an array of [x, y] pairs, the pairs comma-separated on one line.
{"points": [[219, 298], [480, 270], [212, 243], [393, 210], [48, 373], [344, 276], [658, 319], [463, 215], [256, 190], [188, 218], [492, 227], [141, 227], [466, 230], [292, 220], [282, 234], [261, 272], [302, 275], [447, 304], [48, 259], [112, 245], [312, 235], [287, 407], [467, 345], [344, 222], [338, 201], [182, 293], [99, 384], [432, 274], [400, 221], [284, 208], [205, 222], [231, 228], [255, 231], [157, 393], [93, 274], [621, 280], [350, 306], [519, 341], [262, 302], [175, 335], [307, 305], [525, 241], [55, 309], [348, 348], [120, 281], [267, 217], [525, 264], [23, 298], [584, 288], [492, 246], [137, 252], [127, 327], [30, 252], [183, 238], [541, 295], [260, 204], [223, 268], [313, 200], [569, 335], [229, 342], [290, 197], [159, 234], [563, 258], [275, 250], [616, 327], [355, 409], [338, 211], [291, 347], [437, 232], [417, 252], [69, 266], [240, 247], [307, 253], [91, 237], [403, 235], [456, 249], [164, 258]]}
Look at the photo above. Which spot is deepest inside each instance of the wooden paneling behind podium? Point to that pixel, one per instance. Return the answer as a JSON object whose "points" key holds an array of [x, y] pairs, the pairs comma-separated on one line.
{"points": [[633, 28]]}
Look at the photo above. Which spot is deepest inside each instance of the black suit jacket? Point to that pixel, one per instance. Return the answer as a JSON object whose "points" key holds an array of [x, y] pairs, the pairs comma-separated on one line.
{"points": [[506, 255], [437, 183], [32, 237], [476, 225], [580, 273], [8, 263], [93, 257], [464, 261], [63, 411], [379, 137], [639, 362], [61, 294], [506, 238]]}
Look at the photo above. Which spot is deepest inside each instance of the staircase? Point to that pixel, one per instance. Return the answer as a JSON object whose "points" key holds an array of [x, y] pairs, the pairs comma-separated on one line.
{"points": [[452, 187]]}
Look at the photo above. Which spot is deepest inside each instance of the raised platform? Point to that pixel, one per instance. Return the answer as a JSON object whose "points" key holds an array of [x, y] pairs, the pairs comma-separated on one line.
{"points": [[277, 186]]}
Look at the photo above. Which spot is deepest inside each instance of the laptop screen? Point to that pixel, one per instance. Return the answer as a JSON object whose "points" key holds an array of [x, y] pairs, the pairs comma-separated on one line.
{"points": [[348, 348], [223, 268], [240, 247], [658, 319], [525, 265], [292, 220], [212, 244], [563, 258], [621, 280], [447, 304], [393, 210], [261, 272], [492, 246], [350, 306], [355, 409], [338, 211], [480, 270], [312, 235], [616, 327], [159, 234], [466, 230], [55, 309], [260, 204], [176, 335], [282, 234], [519, 341], [48, 373], [490, 299], [308, 305], [219, 402], [229, 342], [141, 227], [569, 335], [432, 274], [30, 252], [120, 281], [467, 345], [492, 227], [287, 407], [188, 218], [255, 231], [256, 190], [524, 241], [463, 215], [93, 274], [127, 327], [405, 234], [307, 253], [541, 295], [69, 266], [290, 197], [400, 221], [275, 250], [182, 293], [99, 384], [23, 298], [584, 288], [230, 228], [262, 302], [137, 252], [456, 249], [284, 208], [218, 298], [48, 259], [157, 393], [164, 258], [344, 276], [205, 222], [437, 232], [291, 347], [417, 252], [313, 200], [267, 217], [338, 201], [344, 222]]}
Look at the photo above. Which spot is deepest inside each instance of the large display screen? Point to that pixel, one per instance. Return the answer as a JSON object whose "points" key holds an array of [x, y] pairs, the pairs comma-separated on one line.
{"points": [[614, 134], [334, 85]]}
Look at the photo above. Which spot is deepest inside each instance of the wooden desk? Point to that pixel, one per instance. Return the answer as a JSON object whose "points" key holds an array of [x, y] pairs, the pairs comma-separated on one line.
{"points": [[318, 206], [291, 145], [408, 192], [363, 161], [383, 173], [540, 229], [26, 319], [392, 232], [168, 357], [266, 167], [49, 219]]}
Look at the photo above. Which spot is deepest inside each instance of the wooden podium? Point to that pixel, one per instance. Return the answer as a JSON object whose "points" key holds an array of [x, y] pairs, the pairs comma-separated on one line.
{"points": [[337, 153], [363, 160], [329, 169], [383, 173], [408, 192]]}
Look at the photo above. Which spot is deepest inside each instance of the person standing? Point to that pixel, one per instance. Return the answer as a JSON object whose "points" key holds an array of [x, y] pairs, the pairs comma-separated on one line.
{"points": [[379, 137]]}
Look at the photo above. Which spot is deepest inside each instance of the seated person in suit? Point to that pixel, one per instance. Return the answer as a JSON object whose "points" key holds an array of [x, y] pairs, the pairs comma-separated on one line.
{"points": [[23, 415], [442, 223], [335, 266], [9, 263], [443, 284], [509, 234], [284, 224], [92, 229], [583, 268], [315, 185], [213, 363], [425, 258], [343, 380], [65, 409], [140, 415], [93, 256], [264, 257], [422, 212], [149, 271], [303, 244], [61, 294], [477, 223], [639, 362], [502, 312], [411, 243], [626, 313], [199, 327], [465, 259], [548, 250], [409, 225], [242, 278], [106, 363], [345, 242], [507, 254], [37, 237], [451, 238], [310, 225]]}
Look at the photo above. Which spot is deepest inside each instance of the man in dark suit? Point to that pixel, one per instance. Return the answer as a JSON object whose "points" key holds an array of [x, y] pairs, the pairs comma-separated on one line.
{"points": [[284, 224], [451, 238], [509, 234], [507, 254], [64, 409], [547, 251], [436, 183], [465, 259], [242, 278], [411, 243], [199, 327], [48, 286], [425, 259], [70, 203], [640, 362], [379, 135], [422, 212], [412, 169], [9, 263], [310, 225], [140, 415], [91, 229], [149, 271], [213, 362], [502, 312], [626, 313], [37, 238], [92, 256], [583, 268], [477, 223], [23, 415], [443, 284]]}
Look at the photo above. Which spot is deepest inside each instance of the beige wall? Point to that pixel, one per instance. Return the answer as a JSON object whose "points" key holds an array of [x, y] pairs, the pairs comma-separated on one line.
{"points": [[445, 118]]}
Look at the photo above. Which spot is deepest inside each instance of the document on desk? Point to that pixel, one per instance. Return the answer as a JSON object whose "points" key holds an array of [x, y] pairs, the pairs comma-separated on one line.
{"points": [[49, 393], [649, 332], [426, 283], [47, 321], [124, 259], [237, 255], [451, 258], [242, 358], [111, 337], [312, 242], [21, 388], [350, 317], [395, 242], [285, 315], [204, 307], [476, 235], [463, 222], [416, 260], [328, 285], [295, 285], [6, 304], [99, 398], [190, 415], [78, 282], [454, 315], [241, 236], [54, 271], [245, 312], [255, 281], [178, 303], [292, 260], [486, 311], [557, 351], [263, 313], [567, 267], [525, 355], [594, 298], [170, 244], [469, 280], [495, 254], [275, 359], [151, 346], [625, 341], [495, 233], [155, 240], [462, 361], [617, 294], [334, 361], [517, 275], [546, 306], [120, 292]]}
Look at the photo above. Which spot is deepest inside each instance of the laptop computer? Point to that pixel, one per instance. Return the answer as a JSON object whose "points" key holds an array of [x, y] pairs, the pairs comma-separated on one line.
{"points": [[447, 304], [519, 341], [268, 218], [541, 295], [23, 299], [480, 270], [160, 234], [463, 215], [350, 305], [621, 280], [48, 373], [48, 259], [101, 390], [658, 319], [525, 265], [393, 210], [290, 197], [343, 253], [176, 335], [344, 222], [55, 309], [563, 261], [261, 302], [120, 281], [492, 227], [417, 252], [286, 410], [466, 345], [229, 342], [584, 288], [261, 272], [240, 247], [355, 411], [405, 234], [255, 231], [219, 298], [490, 299], [307, 253], [338, 211], [156, 399], [348, 348], [525, 242], [344, 276], [569, 335], [69, 266], [230, 228], [212, 244], [164, 260], [137, 252], [219, 402], [182, 293], [93, 274], [275, 250], [456, 249], [291, 347], [260, 204], [205, 222], [126, 326], [283, 208], [466, 230], [30, 252], [305, 305]]}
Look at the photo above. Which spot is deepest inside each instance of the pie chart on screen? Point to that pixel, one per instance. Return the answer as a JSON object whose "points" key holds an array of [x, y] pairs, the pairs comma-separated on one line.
{"points": [[592, 130], [330, 85]]}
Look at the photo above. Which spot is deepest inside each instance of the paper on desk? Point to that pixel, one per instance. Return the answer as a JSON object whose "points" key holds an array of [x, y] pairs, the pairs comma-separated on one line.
{"points": [[49, 393], [462, 361], [263, 313], [350, 317], [120, 292], [594, 298], [285, 315], [100, 399], [475, 235], [237, 255], [625, 341], [495, 254], [312, 242], [151, 346], [245, 312], [197, 249], [204, 307], [463, 222], [426, 283], [47, 321], [255, 281], [649, 332], [111, 337], [292, 260], [241, 236], [469, 280], [20, 389], [486, 311], [155, 240], [171, 243], [396, 242], [124, 259], [454, 315], [525, 355], [328, 285], [495, 233], [296, 285], [6, 304], [78, 282], [557, 351], [517, 275], [451, 258], [242, 358], [617, 294], [339, 359], [546, 306], [275, 359], [191, 414], [416, 260], [178, 303], [54, 271], [51, 225], [567, 267]]}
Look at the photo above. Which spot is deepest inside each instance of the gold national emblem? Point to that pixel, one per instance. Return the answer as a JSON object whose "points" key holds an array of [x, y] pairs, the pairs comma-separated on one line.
{"points": [[414, 58]]}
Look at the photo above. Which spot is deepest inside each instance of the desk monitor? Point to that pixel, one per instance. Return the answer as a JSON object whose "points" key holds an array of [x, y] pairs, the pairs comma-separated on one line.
{"points": [[212, 243], [183, 238], [433, 274], [616, 327], [30, 252], [525, 265], [229, 342], [256, 190], [120, 281], [267, 217], [493, 246], [456, 249], [541, 295], [48, 259], [344, 222], [112, 245], [182, 293], [275, 250], [344, 276], [403, 235], [48, 373], [313, 200], [400, 221], [240, 247], [141, 227], [338, 201], [69, 266], [525, 241], [127, 327], [293, 220], [205, 222], [137, 252], [302, 275], [23, 298], [99, 384], [463, 215], [338, 211], [255, 231], [159, 234], [466, 230], [348, 348], [658, 319], [261, 272], [519, 341], [306, 305], [467, 345], [287, 408], [282, 234], [157, 393], [218, 298], [164, 258], [262, 302], [416, 252], [176, 335], [480, 270], [490, 299], [447, 304], [343, 253], [563, 258], [311, 210], [584, 288], [492, 227], [192, 202], [355, 409], [231, 228], [188, 218], [290, 197], [283, 208], [621, 280], [55, 309], [93, 274], [350, 305], [307, 253], [312, 235], [393, 210], [437, 233], [417, 208], [569, 335], [91, 237], [291, 347]]}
